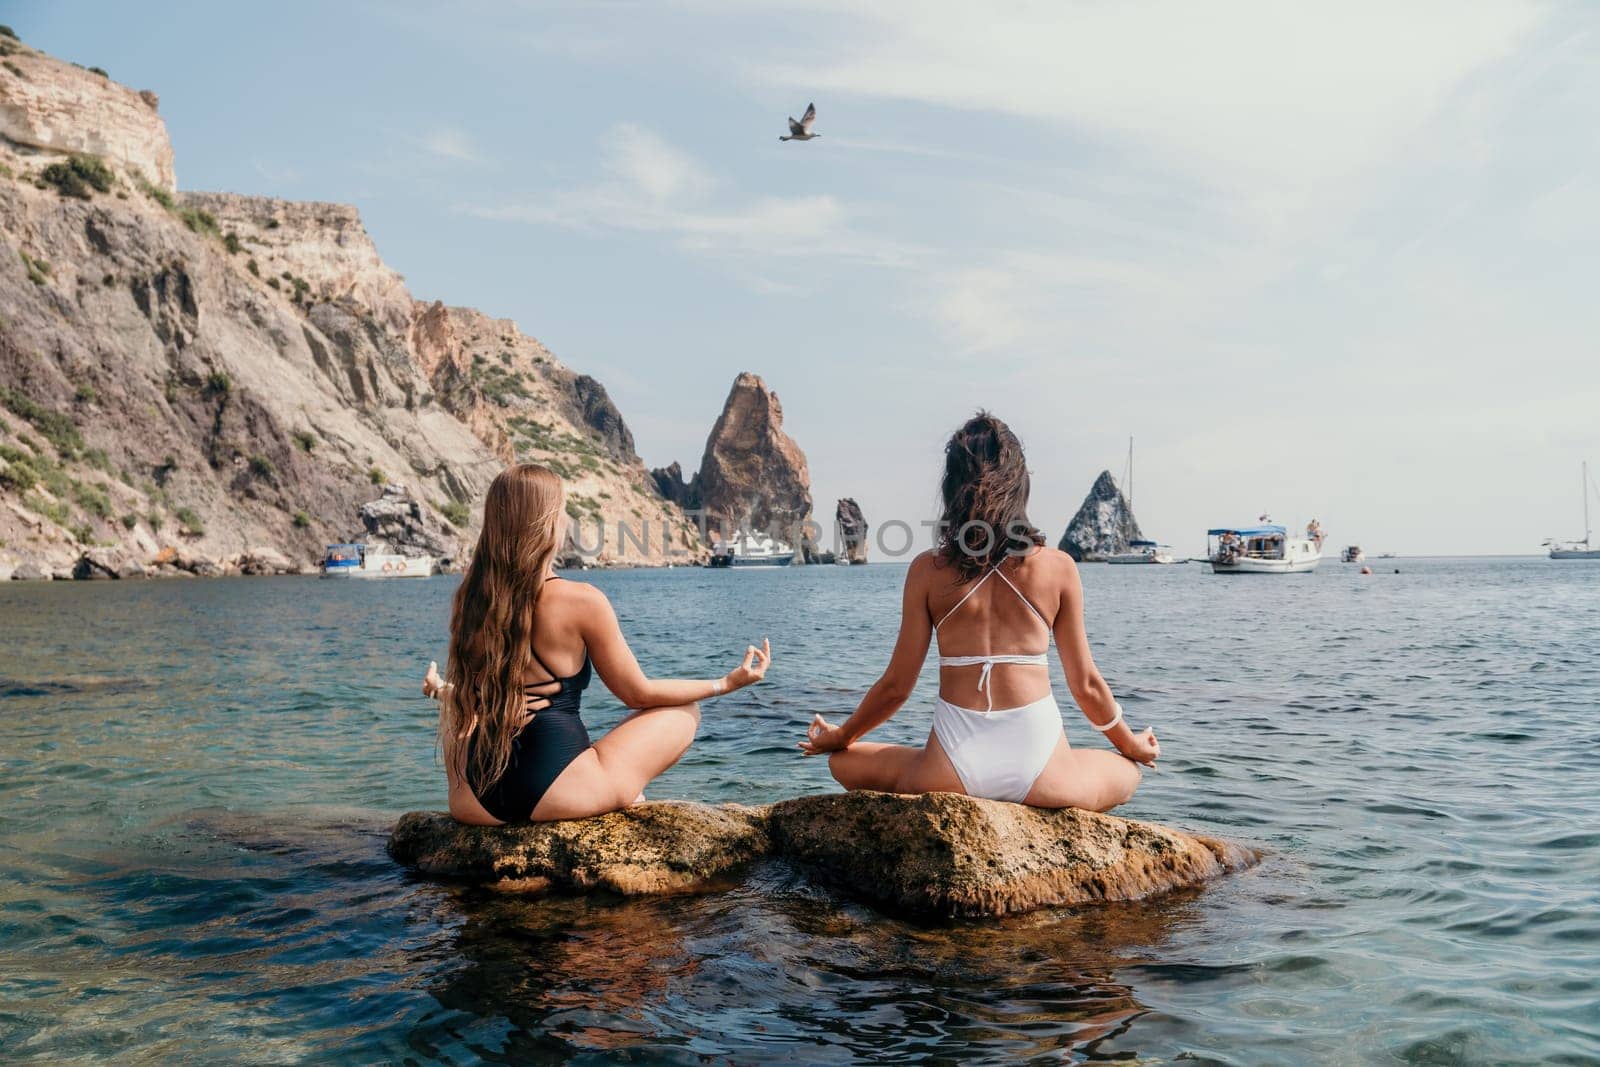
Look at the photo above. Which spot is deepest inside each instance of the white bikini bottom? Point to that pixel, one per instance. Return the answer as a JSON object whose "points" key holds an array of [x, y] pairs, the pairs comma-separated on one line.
{"points": [[999, 754]]}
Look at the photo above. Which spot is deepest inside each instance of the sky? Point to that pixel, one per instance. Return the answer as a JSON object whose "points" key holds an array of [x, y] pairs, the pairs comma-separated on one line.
{"points": [[1331, 261]]}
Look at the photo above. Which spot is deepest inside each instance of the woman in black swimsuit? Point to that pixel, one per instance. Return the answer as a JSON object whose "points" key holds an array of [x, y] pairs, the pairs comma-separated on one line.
{"points": [[522, 645]]}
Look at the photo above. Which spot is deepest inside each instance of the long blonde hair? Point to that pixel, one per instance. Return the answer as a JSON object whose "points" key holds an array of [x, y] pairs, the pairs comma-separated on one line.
{"points": [[491, 623]]}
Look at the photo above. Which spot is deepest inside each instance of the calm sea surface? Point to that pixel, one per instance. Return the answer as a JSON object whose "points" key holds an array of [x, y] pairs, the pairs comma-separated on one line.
{"points": [[195, 778]]}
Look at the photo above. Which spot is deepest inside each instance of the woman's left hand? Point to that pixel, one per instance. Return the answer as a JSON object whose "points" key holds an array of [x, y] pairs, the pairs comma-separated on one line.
{"points": [[823, 737]]}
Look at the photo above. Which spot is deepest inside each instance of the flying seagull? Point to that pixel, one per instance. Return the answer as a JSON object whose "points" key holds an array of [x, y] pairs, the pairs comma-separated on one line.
{"points": [[801, 131]]}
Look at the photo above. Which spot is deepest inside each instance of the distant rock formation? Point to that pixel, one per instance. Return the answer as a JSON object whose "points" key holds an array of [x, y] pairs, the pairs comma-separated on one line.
{"points": [[671, 485], [852, 530], [940, 854], [1103, 526], [753, 476], [397, 520]]}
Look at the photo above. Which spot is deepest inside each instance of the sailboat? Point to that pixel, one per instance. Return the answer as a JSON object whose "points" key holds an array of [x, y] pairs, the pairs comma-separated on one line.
{"points": [[1586, 548], [1139, 551]]}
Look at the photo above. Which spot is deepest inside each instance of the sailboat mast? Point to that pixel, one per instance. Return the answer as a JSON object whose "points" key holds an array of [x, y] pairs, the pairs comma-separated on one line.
{"points": [[1130, 478], [1585, 502]]}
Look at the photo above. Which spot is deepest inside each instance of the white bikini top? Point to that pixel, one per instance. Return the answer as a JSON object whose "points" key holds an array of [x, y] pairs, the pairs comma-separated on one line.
{"points": [[989, 661]]}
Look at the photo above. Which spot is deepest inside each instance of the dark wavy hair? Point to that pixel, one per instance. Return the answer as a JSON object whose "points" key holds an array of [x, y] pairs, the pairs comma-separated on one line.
{"points": [[985, 491]]}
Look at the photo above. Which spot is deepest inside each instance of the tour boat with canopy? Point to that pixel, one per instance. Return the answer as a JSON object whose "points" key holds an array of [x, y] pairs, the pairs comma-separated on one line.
{"points": [[1264, 549]]}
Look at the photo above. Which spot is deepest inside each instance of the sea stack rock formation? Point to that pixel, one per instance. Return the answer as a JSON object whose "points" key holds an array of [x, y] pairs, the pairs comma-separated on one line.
{"points": [[753, 476], [940, 854], [852, 530], [190, 379], [1103, 526]]}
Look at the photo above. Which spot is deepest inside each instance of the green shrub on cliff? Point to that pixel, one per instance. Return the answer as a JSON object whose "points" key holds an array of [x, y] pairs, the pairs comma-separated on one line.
{"points": [[129, 521], [56, 428], [189, 521], [306, 440], [301, 520], [38, 269], [77, 175], [376, 476], [261, 466], [456, 512], [92, 499], [16, 472], [158, 194], [218, 383], [201, 222]]}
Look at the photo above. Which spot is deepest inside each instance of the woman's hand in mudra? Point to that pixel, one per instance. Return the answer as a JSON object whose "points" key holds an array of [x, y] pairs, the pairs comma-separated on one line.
{"points": [[823, 737], [432, 684], [753, 669], [1146, 749]]}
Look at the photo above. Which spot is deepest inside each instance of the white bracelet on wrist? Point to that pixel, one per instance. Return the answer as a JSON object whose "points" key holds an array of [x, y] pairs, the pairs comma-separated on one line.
{"points": [[719, 687], [1108, 727]]}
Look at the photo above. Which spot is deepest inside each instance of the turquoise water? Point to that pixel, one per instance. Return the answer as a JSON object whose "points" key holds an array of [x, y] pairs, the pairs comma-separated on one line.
{"points": [[195, 778]]}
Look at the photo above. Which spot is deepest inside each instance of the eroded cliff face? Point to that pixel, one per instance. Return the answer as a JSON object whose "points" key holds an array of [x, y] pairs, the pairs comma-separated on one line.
{"points": [[49, 108], [1104, 524], [202, 378], [753, 476]]}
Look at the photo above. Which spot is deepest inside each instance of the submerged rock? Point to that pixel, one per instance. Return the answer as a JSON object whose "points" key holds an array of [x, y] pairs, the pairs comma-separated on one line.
{"points": [[659, 847], [951, 855], [939, 854], [1104, 524]]}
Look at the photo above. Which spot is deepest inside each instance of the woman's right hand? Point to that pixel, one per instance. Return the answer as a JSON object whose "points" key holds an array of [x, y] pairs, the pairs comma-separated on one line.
{"points": [[1145, 749], [753, 669]]}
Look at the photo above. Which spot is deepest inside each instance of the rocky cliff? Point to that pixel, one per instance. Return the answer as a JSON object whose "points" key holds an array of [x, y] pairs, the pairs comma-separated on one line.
{"points": [[1103, 526], [852, 530], [192, 377], [753, 476]]}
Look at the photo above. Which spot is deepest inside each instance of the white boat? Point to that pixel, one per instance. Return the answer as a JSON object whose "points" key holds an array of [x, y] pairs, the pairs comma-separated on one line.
{"points": [[1143, 552], [841, 559], [1586, 548], [1263, 549], [1352, 554], [751, 550], [374, 561]]}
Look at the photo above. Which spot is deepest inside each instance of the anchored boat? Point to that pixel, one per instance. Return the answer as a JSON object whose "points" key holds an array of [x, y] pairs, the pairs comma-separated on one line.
{"points": [[1143, 552], [1585, 549], [751, 550], [1266, 549], [374, 561]]}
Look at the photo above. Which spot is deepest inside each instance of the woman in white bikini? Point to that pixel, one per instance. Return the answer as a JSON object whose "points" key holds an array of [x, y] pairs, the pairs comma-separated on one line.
{"points": [[993, 595]]}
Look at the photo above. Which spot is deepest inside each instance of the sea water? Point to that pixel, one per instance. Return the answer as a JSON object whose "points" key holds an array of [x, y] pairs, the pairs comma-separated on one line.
{"points": [[195, 778]]}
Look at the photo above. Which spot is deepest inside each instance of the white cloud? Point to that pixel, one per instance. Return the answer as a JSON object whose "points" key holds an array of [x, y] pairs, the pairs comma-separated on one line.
{"points": [[651, 186], [1258, 90], [449, 144]]}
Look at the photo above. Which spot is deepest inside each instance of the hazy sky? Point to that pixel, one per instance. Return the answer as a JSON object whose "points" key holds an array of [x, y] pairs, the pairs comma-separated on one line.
{"points": [[1339, 263]]}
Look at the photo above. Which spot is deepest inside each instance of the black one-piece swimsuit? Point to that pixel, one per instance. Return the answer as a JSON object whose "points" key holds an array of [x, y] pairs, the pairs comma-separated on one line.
{"points": [[541, 750]]}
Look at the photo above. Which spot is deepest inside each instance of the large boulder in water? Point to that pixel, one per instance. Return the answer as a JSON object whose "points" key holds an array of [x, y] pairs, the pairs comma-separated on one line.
{"points": [[1104, 524], [659, 847], [938, 854], [951, 855]]}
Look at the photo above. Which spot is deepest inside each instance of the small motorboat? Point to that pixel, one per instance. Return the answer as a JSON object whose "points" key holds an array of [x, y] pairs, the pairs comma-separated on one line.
{"points": [[374, 561], [1352, 554]]}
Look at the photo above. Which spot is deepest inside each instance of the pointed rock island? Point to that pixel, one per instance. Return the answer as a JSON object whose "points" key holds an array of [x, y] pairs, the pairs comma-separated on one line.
{"points": [[1104, 525], [939, 854]]}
